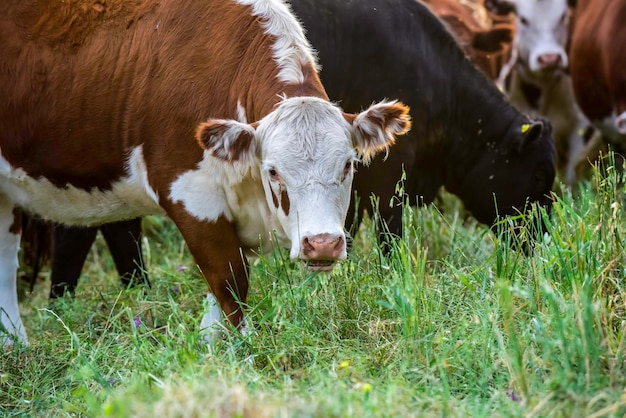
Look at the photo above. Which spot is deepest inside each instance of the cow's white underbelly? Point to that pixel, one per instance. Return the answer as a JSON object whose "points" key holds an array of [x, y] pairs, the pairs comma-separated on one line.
{"points": [[128, 198]]}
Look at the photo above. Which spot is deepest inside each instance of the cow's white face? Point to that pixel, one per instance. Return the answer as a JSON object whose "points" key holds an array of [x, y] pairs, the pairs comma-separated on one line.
{"points": [[542, 30], [305, 151], [307, 161]]}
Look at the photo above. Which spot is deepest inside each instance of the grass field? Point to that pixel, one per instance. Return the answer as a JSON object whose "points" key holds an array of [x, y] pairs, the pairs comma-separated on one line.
{"points": [[453, 322]]}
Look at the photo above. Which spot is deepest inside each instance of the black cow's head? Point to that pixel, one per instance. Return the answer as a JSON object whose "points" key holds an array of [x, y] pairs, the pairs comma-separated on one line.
{"points": [[511, 173]]}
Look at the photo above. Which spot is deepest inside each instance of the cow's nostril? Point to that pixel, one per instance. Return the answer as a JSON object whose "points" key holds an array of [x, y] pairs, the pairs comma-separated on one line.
{"points": [[306, 246], [338, 244]]}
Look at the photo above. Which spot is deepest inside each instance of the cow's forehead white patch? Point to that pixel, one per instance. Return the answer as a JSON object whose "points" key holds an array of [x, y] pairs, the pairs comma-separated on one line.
{"points": [[306, 136], [301, 115], [291, 50], [541, 13]]}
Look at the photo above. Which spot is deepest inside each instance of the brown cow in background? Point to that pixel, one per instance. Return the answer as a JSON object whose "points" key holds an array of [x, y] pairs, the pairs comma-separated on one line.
{"points": [[598, 65], [484, 35]]}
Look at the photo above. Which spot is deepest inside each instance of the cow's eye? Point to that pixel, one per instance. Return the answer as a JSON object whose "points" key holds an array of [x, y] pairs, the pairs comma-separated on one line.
{"points": [[347, 169], [523, 20], [274, 174]]}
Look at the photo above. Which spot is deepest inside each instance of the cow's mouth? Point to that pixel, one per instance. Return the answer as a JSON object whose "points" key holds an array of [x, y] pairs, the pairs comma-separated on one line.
{"points": [[549, 73], [320, 265]]}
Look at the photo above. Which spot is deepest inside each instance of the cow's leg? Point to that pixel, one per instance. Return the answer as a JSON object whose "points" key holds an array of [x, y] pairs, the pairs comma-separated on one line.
{"points": [[124, 241], [70, 246], [215, 247], [11, 326], [212, 317]]}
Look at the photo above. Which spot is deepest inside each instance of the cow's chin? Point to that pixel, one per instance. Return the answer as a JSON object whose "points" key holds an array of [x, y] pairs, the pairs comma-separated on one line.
{"points": [[548, 75], [325, 266]]}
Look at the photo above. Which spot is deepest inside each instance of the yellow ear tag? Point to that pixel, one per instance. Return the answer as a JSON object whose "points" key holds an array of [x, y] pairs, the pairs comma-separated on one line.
{"points": [[525, 127]]}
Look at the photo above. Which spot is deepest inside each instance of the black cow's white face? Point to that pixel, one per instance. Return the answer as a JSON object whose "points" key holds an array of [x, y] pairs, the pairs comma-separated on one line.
{"points": [[304, 152], [542, 30]]}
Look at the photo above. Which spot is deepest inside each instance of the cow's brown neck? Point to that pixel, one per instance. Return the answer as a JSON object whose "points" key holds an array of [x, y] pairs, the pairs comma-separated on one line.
{"points": [[261, 100]]}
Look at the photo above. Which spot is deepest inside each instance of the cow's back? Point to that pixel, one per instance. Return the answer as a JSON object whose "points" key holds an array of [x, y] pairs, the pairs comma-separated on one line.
{"points": [[42, 46], [72, 62]]}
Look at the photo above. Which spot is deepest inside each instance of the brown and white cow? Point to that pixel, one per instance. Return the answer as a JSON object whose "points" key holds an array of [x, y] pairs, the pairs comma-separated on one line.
{"points": [[104, 117], [539, 83], [598, 65], [485, 37]]}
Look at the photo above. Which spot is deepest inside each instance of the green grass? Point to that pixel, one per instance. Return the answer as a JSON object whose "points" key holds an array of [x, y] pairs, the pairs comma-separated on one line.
{"points": [[452, 322]]}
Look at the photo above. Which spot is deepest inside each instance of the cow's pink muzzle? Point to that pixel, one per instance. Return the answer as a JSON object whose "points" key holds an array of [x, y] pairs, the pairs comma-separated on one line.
{"points": [[320, 252]]}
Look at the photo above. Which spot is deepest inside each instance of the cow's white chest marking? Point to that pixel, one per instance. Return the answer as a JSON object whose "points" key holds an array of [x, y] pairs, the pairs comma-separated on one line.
{"points": [[215, 189]]}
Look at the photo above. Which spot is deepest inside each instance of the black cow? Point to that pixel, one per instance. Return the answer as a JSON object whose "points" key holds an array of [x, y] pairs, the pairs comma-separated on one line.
{"points": [[68, 246], [71, 245], [466, 137]]}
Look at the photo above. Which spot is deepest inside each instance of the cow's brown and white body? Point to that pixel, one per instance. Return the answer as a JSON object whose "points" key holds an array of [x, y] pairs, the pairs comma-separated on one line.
{"points": [[104, 117]]}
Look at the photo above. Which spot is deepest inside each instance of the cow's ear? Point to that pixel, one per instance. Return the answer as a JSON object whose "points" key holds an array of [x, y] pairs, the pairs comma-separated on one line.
{"points": [[375, 129], [228, 140], [531, 131], [571, 3]]}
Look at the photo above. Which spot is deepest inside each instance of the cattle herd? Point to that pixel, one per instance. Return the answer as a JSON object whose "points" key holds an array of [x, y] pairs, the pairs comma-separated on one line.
{"points": [[224, 116]]}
